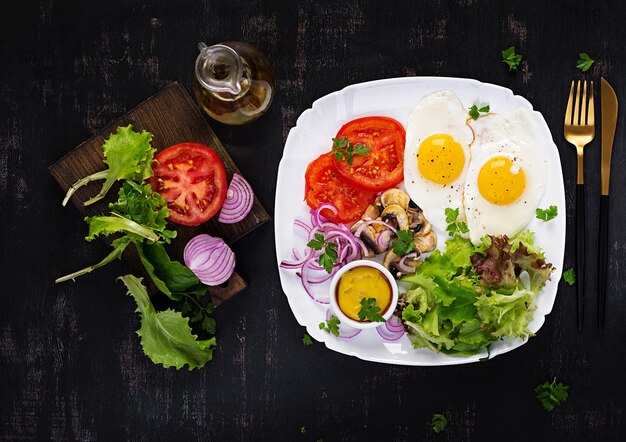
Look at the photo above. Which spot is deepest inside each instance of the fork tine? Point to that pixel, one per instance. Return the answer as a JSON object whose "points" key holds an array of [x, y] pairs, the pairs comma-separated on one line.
{"points": [[590, 116], [568, 111], [583, 108], [576, 120]]}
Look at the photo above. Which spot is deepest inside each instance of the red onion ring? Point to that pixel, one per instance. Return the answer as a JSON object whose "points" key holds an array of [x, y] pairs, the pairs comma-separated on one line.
{"points": [[362, 226], [392, 330], [210, 259], [239, 201], [403, 267], [384, 239]]}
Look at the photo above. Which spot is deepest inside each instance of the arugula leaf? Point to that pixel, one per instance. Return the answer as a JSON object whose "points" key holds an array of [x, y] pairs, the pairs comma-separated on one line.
{"points": [[329, 258], [342, 148], [546, 214], [475, 112], [569, 276], [439, 422], [404, 244], [551, 394], [128, 154], [331, 325], [584, 62], [166, 337], [370, 311], [454, 226], [511, 59], [306, 339]]}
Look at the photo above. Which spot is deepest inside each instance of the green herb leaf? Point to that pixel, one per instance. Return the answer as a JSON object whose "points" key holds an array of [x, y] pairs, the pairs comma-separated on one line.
{"points": [[439, 422], [329, 257], [317, 242], [331, 325], [404, 244], [166, 337], [475, 112], [546, 214], [551, 394], [511, 59], [569, 276], [455, 226], [584, 62], [302, 429], [370, 311], [306, 339], [342, 148]]}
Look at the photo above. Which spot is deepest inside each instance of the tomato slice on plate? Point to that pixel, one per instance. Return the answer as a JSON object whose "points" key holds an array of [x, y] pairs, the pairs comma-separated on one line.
{"points": [[383, 166], [324, 185], [192, 179]]}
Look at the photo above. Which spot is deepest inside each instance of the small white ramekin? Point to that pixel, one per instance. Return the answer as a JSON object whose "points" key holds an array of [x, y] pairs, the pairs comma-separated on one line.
{"points": [[333, 295]]}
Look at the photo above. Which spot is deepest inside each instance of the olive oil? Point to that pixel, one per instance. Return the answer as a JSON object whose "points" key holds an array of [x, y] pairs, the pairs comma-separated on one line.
{"points": [[233, 82]]}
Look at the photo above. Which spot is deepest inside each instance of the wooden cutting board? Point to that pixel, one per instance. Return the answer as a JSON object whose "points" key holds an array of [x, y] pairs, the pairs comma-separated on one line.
{"points": [[172, 116]]}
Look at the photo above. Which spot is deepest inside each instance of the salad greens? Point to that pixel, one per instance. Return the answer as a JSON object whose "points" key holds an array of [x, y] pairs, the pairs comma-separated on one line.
{"points": [[466, 298], [138, 217], [128, 154]]}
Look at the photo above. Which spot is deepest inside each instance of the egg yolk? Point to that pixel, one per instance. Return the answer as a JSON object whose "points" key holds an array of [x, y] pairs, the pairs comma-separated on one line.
{"points": [[500, 181], [440, 159]]}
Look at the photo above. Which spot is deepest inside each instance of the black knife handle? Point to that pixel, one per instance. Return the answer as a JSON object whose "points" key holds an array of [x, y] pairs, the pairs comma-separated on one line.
{"points": [[603, 253], [580, 253]]}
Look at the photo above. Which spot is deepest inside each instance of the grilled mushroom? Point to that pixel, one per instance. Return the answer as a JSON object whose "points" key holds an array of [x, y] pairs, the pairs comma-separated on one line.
{"points": [[396, 214], [425, 242], [396, 197], [399, 265]]}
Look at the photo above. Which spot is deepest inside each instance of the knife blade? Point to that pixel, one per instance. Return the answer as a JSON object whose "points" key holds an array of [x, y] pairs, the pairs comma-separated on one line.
{"points": [[609, 122]]}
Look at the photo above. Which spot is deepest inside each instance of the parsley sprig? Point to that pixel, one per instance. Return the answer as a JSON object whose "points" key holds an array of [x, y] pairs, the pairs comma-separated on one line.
{"points": [[331, 325], [455, 226], [404, 244], [546, 214], [584, 62], [329, 257], [439, 422], [511, 59], [569, 276], [475, 111], [342, 148], [306, 339], [370, 311], [551, 394]]}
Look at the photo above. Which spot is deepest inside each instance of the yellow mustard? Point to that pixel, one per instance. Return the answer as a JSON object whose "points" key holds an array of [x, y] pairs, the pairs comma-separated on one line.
{"points": [[362, 282]]}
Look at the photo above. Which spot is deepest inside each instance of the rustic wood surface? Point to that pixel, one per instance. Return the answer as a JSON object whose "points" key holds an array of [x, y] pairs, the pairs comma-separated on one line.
{"points": [[172, 117], [70, 363]]}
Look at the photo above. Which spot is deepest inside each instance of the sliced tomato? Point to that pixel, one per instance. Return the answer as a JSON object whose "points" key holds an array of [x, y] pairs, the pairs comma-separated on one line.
{"points": [[324, 185], [192, 179], [383, 166]]}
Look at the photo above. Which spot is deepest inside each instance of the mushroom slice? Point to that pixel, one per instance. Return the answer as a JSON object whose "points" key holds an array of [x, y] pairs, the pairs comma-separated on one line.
{"points": [[418, 222], [425, 243], [368, 235], [396, 197], [392, 263], [397, 214]]}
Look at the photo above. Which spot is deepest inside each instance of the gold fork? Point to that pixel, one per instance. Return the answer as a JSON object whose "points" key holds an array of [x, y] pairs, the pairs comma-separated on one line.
{"points": [[579, 130]]}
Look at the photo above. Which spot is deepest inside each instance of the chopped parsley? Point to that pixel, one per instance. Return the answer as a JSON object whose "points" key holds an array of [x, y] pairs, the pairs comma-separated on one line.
{"points": [[342, 148], [546, 214], [475, 111], [370, 311], [569, 276], [455, 226], [439, 422], [584, 62], [551, 394], [331, 325], [306, 339], [329, 257], [404, 244], [511, 59], [302, 429]]}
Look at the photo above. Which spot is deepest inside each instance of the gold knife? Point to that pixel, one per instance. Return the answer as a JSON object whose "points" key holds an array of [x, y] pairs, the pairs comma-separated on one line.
{"points": [[608, 101]]}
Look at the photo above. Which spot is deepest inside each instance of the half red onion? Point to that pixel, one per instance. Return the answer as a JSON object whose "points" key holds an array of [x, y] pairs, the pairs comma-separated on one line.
{"points": [[239, 201], [210, 259]]}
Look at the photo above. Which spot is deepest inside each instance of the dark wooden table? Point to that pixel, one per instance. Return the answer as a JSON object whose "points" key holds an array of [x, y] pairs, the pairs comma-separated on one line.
{"points": [[71, 367]]}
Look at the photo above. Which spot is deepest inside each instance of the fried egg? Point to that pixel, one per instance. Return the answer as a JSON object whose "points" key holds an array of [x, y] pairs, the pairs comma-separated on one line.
{"points": [[437, 155], [507, 174]]}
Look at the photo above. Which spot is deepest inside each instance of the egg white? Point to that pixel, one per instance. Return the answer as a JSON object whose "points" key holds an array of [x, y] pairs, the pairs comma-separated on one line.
{"points": [[439, 113], [516, 137]]}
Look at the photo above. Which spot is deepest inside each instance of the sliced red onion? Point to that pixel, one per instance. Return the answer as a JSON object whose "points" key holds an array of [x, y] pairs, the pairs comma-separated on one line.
{"points": [[302, 225], [392, 330], [362, 226], [345, 331], [384, 239], [403, 266], [318, 218], [239, 201], [210, 259]]}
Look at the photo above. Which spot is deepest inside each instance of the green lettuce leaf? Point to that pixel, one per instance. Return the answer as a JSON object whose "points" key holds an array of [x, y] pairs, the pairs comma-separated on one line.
{"points": [[166, 337], [507, 315]]}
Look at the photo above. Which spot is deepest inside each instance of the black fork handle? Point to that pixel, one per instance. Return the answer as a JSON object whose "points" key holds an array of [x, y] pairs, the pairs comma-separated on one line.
{"points": [[580, 253]]}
